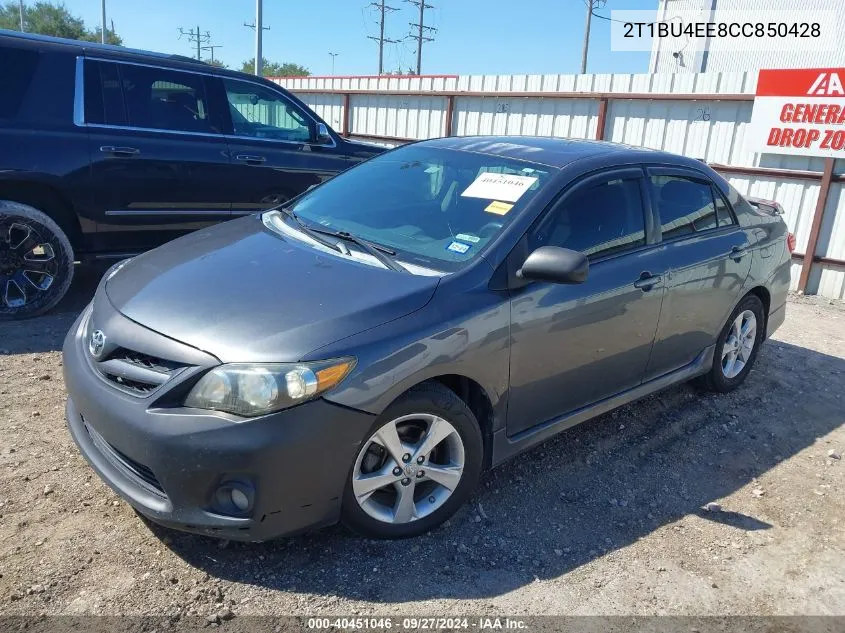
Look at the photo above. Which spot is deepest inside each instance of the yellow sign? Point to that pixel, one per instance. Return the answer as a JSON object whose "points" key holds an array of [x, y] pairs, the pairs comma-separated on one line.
{"points": [[499, 208]]}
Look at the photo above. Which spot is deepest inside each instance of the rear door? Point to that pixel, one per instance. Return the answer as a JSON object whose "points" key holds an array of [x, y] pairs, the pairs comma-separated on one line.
{"points": [[159, 163], [573, 345], [272, 146], [708, 256]]}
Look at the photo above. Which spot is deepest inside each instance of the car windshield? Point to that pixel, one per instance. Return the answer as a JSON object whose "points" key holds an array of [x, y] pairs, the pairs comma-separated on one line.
{"points": [[436, 208]]}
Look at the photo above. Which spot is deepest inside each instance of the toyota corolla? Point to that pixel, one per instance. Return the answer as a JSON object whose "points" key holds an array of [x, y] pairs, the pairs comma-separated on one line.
{"points": [[364, 352]]}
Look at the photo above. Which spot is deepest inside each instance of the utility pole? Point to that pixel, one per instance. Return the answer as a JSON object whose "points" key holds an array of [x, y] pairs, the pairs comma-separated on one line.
{"points": [[259, 35], [382, 7], [196, 37], [421, 30], [333, 56], [21, 10], [591, 6], [103, 22], [211, 48]]}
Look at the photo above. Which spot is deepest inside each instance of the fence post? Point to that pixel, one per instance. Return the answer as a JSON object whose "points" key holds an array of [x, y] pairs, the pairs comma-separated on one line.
{"points": [[815, 229], [344, 130], [450, 109], [602, 122]]}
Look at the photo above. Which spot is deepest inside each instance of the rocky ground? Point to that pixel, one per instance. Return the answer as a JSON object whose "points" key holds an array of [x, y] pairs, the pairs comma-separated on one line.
{"points": [[685, 503]]}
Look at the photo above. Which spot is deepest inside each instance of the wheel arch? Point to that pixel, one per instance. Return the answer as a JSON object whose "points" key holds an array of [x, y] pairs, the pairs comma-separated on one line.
{"points": [[49, 201], [762, 293]]}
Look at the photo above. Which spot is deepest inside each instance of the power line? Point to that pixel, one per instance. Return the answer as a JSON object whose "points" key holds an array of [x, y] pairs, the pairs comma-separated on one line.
{"points": [[421, 30], [382, 7], [211, 48], [196, 37]]}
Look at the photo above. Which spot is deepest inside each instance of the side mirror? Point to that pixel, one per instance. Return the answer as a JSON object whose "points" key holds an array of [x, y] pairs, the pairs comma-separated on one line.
{"points": [[323, 136], [555, 264]]}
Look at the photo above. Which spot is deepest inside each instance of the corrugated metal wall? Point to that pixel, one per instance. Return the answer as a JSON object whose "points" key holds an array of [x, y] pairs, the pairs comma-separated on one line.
{"points": [[702, 128]]}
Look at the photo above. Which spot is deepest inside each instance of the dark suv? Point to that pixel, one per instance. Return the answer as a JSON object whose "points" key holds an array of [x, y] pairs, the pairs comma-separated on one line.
{"points": [[106, 152]]}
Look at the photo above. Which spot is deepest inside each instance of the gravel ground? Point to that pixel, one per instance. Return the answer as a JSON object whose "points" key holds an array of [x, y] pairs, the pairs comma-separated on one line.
{"points": [[609, 518]]}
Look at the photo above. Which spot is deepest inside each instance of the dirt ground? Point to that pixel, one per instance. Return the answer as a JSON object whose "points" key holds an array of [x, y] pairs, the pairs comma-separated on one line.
{"points": [[607, 518]]}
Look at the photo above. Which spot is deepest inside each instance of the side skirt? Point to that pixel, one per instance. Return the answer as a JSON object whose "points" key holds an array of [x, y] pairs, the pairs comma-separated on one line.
{"points": [[505, 447]]}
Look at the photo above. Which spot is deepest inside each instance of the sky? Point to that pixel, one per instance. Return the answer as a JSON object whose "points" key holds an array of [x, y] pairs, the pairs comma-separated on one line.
{"points": [[473, 36]]}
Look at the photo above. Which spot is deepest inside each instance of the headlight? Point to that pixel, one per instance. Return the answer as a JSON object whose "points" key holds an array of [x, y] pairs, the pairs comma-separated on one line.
{"points": [[249, 390]]}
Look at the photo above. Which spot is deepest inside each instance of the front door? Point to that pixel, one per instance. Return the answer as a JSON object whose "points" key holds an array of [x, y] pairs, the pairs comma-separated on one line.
{"points": [[159, 163], [573, 345], [708, 255], [272, 149]]}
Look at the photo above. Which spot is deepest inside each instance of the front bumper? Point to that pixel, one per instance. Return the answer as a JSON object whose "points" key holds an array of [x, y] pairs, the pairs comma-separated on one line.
{"points": [[168, 463]]}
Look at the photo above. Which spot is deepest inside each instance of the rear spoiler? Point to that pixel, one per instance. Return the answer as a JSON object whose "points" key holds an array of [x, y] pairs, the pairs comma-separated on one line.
{"points": [[771, 207]]}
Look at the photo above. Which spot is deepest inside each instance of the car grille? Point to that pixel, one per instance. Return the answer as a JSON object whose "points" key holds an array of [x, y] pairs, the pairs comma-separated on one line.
{"points": [[138, 472], [136, 373]]}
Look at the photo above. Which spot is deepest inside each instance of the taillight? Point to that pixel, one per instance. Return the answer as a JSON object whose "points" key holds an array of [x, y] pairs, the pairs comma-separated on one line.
{"points": [[790, 242]]}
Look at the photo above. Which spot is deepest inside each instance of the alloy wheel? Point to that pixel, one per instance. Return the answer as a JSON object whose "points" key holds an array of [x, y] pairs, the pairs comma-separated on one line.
{"points": [[408, 468], [739, 344], [28, 264]]}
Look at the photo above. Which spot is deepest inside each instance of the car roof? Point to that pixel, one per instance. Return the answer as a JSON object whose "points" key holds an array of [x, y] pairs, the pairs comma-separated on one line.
{"points": [[122, 53], [557, 152]]}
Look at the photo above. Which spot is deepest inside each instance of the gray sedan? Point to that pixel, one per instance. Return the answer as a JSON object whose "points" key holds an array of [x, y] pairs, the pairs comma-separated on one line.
{"points": [[364, 352]]}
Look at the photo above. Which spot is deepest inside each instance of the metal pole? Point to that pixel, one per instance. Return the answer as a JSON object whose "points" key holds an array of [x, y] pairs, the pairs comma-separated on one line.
{"points": [[259, 32], [420, 41], [381, 42], [103, 17], [199, 56], [586, 36], [21, 9], [333, 56]]}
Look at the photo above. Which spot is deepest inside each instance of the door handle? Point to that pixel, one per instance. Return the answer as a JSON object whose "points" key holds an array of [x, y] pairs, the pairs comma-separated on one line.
{"points": [[738, 252], [648, 281], [247, 158], [120, 151]]}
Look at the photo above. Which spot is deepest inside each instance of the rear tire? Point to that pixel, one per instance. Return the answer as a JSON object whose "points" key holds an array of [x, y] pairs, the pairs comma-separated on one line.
{"points": [[36, 262], [737, 347], [433, 462]]}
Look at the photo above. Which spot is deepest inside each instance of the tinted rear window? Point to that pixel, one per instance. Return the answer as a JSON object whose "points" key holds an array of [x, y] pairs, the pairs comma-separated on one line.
{"points": [[17, 67]]}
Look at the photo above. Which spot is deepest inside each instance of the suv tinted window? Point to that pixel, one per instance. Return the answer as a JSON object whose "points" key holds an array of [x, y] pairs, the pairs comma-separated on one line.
{"points": [[260, 112], [163, 99], [598, 219], [18, 67], [686, 206]]}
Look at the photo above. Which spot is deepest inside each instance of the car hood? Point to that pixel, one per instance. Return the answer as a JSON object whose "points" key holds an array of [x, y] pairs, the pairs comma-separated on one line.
{"points": [[246, 294]]}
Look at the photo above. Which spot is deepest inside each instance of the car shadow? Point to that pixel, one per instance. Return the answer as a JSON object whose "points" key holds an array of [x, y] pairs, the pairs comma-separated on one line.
{"points": [[596, 488]]}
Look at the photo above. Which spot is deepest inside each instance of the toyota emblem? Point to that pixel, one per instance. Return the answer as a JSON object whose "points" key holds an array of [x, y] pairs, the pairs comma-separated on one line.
{"points": [[97, 343]]}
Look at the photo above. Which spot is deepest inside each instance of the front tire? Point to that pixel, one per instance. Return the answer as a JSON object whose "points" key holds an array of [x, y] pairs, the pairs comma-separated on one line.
{"points": [[417, 466], [36, 262], [737, 346]]}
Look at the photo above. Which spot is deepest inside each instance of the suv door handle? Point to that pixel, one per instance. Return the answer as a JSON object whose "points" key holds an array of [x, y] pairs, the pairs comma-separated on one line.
{"points": [[247, 158], [120, 151], [647, 281], [738, 252]]}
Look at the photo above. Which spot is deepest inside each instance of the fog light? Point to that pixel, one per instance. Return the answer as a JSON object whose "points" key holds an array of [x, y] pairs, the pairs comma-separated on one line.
{"points": [[239, 500]]}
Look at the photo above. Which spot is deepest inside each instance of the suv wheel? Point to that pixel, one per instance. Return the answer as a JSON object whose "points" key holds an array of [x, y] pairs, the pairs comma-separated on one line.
{"points": [[416, 468], [737, 346], [36, 261]]}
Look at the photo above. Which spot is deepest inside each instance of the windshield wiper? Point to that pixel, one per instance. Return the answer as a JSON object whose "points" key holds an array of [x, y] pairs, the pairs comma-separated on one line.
{"points": [[381, 253], [314, 234]]}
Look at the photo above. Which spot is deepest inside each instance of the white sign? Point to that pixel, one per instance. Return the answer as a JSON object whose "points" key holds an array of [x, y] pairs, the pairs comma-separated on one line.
{"points": [[799, 112], [504, 187]]}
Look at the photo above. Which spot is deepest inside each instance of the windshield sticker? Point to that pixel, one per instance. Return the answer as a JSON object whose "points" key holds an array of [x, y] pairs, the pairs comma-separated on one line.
{"points": [[499, 208], [499, 187], [458, 247], [468, 238]]}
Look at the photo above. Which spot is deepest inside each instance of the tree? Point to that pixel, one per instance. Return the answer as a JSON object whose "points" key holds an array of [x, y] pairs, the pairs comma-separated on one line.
{"points": [[215, 62], [275, 69], [51, 19]]}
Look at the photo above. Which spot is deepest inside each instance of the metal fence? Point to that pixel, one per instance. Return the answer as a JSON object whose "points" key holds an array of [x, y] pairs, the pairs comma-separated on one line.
{"points": [[699, 115]]}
